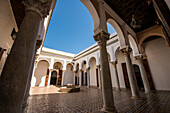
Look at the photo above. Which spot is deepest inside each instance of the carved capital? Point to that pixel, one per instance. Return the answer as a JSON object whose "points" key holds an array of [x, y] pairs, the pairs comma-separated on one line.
{"points": [[42, 7], [101, 37], [98, 66], [126, 50], [139, 57], [88, 69], [114, 62]]}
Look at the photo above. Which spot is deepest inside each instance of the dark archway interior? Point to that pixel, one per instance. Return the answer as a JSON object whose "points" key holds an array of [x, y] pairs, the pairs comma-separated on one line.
{"points": [[53, 78]]}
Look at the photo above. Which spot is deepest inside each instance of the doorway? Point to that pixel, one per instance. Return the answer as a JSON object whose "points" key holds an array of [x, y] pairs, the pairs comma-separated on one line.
{"points": [[53, 78], [138, 76]]}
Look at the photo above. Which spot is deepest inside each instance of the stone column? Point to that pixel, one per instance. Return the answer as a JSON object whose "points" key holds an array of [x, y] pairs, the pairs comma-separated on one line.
{"points": [[116, 75], [107, 91], [143, 74], [62, 82], [88, 77], [80, 77], [74, 75], [99, 77], [49, 77], [16, 71], [131, 74]]}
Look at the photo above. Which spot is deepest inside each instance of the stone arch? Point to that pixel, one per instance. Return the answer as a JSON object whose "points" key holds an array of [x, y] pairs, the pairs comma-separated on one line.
{"points": [[118, 31], [91, 59], [93, 76], [58, 64], [147, 36], [44, 59], [83, 64], [133, 45], [93, 13]]}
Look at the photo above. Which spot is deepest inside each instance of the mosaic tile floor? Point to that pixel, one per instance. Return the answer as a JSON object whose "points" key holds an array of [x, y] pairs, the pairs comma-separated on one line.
{"points": [[90, 100]]}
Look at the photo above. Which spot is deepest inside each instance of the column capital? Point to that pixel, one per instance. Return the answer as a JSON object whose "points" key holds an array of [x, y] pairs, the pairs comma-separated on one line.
{"points": [[126, 50], [114, 62], [88, 69], [139, 57], [98, 66], [42, 7], [101, 36]]}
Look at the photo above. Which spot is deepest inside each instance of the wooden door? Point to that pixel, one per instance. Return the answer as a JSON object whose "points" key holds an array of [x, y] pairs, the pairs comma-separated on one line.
{"points": [[59, 77], [148, 73], [125, 75], [97, 77], [47, 75]]}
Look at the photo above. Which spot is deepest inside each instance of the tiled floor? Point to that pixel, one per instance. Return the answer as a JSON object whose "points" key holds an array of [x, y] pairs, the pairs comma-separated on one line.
{"points": [[90, 100]]}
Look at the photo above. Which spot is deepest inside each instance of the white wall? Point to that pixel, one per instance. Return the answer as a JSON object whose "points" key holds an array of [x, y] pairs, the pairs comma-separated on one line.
{"points": [[40, 73], [7, 23], [93, 80], [158, 55], [120, 59], [68, 75]]}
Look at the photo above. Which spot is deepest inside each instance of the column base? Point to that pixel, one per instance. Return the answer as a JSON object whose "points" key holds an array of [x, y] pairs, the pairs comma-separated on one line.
{"points": [[135, 97], [109, 110], [147, 92], [117, 89]]}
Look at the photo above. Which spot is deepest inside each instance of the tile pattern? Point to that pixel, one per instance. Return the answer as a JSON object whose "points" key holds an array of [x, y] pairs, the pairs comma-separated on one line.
{"points": [[90, 100]]}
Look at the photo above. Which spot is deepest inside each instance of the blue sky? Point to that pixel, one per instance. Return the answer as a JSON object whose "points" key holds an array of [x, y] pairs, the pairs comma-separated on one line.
{"points": [[71, 27]]}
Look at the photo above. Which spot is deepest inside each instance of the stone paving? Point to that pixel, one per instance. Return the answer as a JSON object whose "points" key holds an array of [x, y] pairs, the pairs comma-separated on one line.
{"points": [[90, 100]]}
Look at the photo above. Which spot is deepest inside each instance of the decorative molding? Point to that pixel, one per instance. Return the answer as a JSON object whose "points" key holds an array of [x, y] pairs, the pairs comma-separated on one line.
{"points": [[126, 50]]}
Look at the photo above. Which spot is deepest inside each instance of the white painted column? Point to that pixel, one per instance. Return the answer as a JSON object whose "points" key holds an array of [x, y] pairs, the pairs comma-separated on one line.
{"points": [[88, 77], [99, 76], [80, 77], [143, 74], [63, 73], [116, 75], [49, 77], [131, 74], [74, 75]]}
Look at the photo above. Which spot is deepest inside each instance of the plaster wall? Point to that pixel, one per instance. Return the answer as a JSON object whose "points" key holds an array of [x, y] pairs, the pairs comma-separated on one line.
{"points": [[7, 22], [158, 55], [40, 73], [68, 75], [93, 80]]}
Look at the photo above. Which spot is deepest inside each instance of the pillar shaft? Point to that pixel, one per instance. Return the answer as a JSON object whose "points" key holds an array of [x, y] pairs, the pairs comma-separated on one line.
{"points": [[143, 74], [74, 75], [107, 92], [49, 77], [99, 77], [88, 77], [131, 75], [62, 82], [80, 77], [116, 75], [16, 71]]}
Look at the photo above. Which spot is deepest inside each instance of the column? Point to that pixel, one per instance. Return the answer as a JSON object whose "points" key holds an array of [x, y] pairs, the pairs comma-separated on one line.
{"points": [[62, 82], [116, 75], [99, 77], [49, 77], [80, 77], [15, 74], [88, 77], [107, 91], [131, 75], [143, 74], [74, 76], [24, 104]]}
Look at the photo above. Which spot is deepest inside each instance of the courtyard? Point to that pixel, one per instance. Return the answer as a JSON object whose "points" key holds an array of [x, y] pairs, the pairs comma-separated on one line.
{"points": [[89, 100]]}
